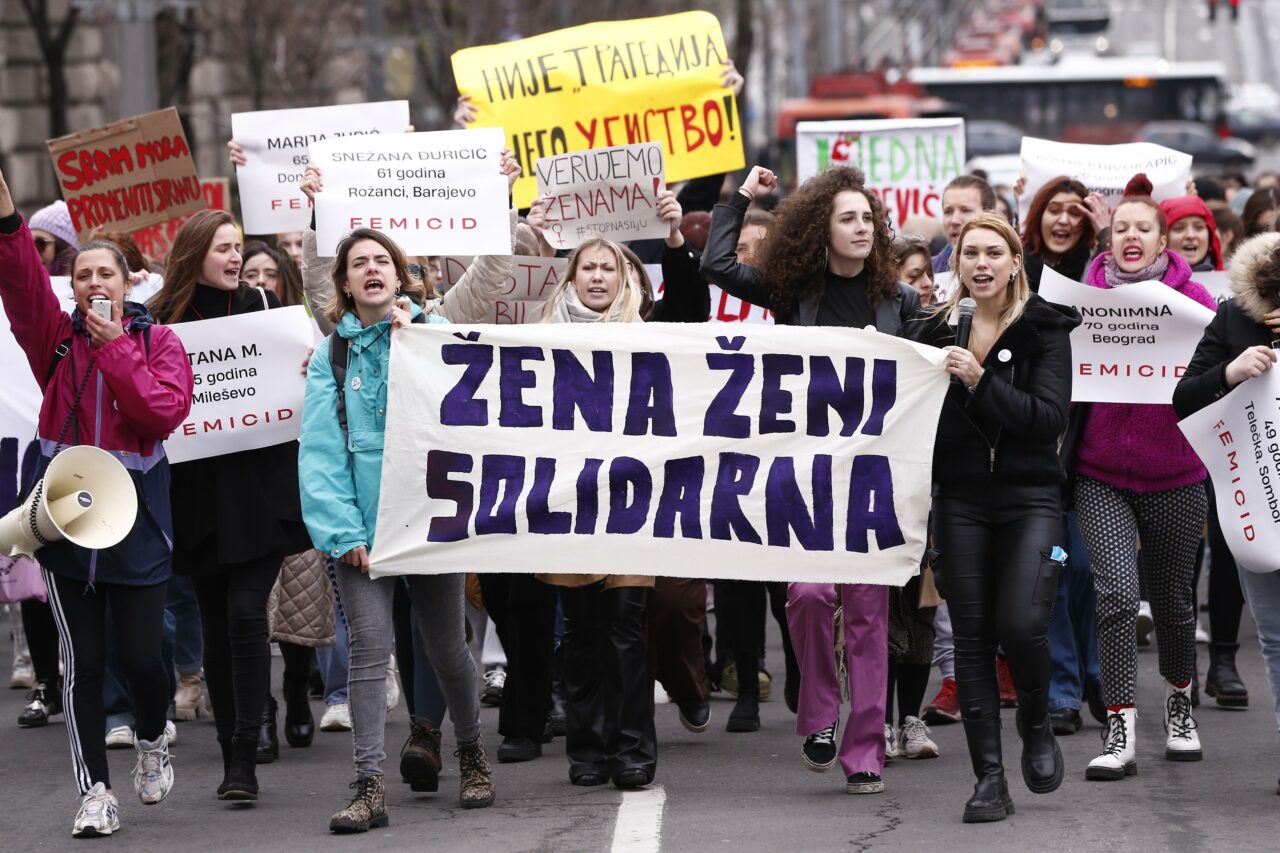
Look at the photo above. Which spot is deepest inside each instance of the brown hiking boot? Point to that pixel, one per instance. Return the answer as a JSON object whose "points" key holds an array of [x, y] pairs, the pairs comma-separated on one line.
{"points": [[477, 777], [420, 758], [367, 810]]}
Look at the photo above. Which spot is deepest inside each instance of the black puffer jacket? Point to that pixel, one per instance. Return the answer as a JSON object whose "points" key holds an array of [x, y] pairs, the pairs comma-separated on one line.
{"points": [[1007, 429], [1238, 325]]}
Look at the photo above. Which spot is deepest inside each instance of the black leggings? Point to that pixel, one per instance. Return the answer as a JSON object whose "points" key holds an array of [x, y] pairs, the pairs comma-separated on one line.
{"points": [[81, 615], [910, 680], [1000, 584], [42, 639], [1226, 599], [237, 656], [741, 606]]}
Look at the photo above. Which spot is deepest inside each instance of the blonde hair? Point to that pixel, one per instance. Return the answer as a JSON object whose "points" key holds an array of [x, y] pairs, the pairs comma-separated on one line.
{"points": [[1017, 291], [627, 302]]}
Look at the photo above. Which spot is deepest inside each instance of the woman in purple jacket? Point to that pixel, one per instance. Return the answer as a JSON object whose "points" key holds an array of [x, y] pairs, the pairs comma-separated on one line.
{"points": [[1137, 478]]}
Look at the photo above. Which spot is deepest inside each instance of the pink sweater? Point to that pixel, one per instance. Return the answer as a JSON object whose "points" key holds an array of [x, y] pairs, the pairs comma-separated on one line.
{"points": [[1136, 446]]}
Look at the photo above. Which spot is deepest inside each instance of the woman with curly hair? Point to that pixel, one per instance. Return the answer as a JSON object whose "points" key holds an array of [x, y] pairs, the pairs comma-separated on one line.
{"points": [[827, 260]]}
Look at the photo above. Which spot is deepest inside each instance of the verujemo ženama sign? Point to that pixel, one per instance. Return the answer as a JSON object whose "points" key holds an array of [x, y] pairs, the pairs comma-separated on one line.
{"points": [[771, 453]]}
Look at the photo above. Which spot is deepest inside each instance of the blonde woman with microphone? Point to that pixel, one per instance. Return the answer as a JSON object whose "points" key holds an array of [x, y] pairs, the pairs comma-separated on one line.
{"points": [[997, 512]]}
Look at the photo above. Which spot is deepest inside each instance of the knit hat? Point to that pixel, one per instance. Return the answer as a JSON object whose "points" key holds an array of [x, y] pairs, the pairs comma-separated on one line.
{"points": [[1176, 209], [57, 221]]}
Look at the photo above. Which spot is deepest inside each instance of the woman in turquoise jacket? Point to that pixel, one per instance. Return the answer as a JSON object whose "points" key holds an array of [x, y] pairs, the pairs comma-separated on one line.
{"points": [[340, 469]]}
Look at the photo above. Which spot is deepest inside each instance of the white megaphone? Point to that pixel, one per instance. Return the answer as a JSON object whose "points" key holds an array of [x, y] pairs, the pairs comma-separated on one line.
{"points": [[86, 497]]}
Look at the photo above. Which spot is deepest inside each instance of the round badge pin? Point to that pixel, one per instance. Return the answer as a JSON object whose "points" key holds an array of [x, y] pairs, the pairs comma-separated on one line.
{"points": [[1004, 355], [355, 384], [870, 327]]}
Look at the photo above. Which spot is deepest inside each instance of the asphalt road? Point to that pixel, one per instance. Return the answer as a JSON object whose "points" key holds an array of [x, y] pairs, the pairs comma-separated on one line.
{"points": [[714, 791]]}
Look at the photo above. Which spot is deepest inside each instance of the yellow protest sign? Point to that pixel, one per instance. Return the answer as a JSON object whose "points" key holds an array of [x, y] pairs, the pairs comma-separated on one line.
{"points": [[610, 83]]}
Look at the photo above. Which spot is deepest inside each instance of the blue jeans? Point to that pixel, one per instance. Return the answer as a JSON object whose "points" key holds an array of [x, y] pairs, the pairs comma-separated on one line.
{"points": [[183, 613], [333, 661], [1073, 628], [1262, 591]]}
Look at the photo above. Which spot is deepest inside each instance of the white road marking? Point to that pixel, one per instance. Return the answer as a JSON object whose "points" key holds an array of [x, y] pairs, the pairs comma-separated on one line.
{"points": [[639, 826]]}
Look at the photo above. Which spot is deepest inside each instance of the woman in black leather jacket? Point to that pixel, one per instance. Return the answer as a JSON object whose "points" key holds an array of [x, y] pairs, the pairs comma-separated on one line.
{"points": [[997, 509]]}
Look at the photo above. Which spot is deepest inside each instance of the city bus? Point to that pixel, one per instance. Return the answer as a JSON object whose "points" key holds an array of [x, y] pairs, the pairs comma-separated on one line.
{"points": [[1102, 100]]}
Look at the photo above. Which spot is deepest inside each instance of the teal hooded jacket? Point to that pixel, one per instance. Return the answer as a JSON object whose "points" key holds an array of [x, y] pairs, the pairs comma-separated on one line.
{"points": [[340, 475]]}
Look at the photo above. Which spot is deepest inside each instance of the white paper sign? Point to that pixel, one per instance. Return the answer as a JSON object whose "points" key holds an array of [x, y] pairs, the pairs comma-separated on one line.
{"points": [[531, 281], [1218, 283], [1238, 440], [605, 192], [18, 413], [944, 286], [248, 382], [1105, 169], [276, 144], [433, 193], [1135, 341], [773, 453], [908, 162]]}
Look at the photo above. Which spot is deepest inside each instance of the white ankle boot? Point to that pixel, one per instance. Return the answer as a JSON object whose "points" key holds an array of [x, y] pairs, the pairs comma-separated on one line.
{"points": [[1119, 756], [1181, 743]]}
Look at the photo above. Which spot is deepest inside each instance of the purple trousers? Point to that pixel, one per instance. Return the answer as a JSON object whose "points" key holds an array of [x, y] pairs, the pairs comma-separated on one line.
{"points": [[811, 609]]}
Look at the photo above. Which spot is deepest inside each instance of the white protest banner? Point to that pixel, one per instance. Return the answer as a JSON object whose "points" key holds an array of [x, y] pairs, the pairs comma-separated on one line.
{"points": [[908, 162], [1218, 283], [1238, 440], [248, 382], [18, 414], [275, 143], [724, 308], [773, 453], [529, 284], [606, 192], [433, 193], [1103, 169], [1135, 341]]}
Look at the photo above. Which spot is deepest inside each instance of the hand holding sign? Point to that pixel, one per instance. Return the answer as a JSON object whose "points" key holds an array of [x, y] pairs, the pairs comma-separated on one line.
{"points": [[670, 212]]}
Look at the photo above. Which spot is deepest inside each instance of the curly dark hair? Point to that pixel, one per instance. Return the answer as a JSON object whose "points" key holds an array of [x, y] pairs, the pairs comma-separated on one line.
{"points": [[794, 252]]}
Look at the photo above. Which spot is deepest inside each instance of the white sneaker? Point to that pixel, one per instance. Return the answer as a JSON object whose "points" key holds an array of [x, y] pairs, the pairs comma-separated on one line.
{"points": [[98, 814], [24, 675], [914, 740], [337, 718], [1146, 623], [121, 737], [1202, 636], [1181, 742], [495, 681], [170, 732], [1119, 756], [393, 684], [890, 744], [153, 774]]}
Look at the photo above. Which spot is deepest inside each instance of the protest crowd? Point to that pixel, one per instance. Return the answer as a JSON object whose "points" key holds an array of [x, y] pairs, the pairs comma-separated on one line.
{"points": [[1052, 520]]}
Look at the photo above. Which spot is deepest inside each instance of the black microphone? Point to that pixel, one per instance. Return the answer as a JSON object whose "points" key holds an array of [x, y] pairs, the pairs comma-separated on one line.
{"points": [[964, 325]]}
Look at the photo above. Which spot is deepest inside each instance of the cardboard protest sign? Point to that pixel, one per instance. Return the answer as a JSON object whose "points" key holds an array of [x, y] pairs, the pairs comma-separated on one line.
{"points": [[127, 175], [248, 382], [1135, 341], [1103, 169], [530, 283], [610, 83], [1238, 440], [606, 192], [156, 241], [276, 146], [777, 453], [908, 162], [433, 193]]}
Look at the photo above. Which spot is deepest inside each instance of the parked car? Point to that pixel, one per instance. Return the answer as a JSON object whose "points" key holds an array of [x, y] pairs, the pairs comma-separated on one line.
{"points": [[1256, 124], [1200, 142], [983, 138]]}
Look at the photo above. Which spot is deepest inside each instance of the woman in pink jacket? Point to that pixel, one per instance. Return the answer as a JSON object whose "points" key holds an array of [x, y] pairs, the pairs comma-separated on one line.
{"points": [[123, 385], [1136, 478]]}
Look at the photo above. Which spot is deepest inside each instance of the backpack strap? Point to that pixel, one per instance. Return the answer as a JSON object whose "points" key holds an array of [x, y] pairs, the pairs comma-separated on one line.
{"points": [[339, 353], [61, 351]]}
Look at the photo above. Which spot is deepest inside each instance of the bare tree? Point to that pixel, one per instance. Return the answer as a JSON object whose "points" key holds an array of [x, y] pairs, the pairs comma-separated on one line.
{"points": [[53, 38]]}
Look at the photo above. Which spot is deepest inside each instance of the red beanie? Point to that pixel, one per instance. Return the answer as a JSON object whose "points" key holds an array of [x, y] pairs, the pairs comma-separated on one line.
{"points": [[1179, 208]]}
